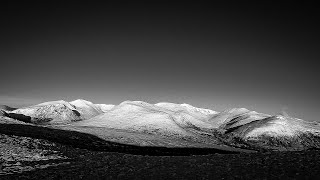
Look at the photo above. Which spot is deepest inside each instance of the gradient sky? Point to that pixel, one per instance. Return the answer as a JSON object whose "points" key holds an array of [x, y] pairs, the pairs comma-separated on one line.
{"points": [[262, 57]]}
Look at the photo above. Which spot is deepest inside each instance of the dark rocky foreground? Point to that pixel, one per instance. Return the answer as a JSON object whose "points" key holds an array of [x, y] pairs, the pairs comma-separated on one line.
{"points": [[33, 152], [85, 164]]}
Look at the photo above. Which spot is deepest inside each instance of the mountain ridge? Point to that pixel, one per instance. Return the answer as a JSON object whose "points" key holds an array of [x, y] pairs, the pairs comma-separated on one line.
{"points": [[238, 127]]}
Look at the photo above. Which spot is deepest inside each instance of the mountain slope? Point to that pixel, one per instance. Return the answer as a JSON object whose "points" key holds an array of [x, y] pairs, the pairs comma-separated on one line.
{"points": [[278, 133], [141, 116], [142, 123], [235, 117], [53, 112], [275, 126], [105, 107], [137, 116], [86, 108], [7, 108], [61, 112], [235, 127], [186, 107]]}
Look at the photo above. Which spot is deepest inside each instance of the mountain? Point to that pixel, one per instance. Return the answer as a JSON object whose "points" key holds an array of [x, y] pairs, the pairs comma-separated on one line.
{"points": [[4, 109], [185, 107], [170, 124], [237, 127], [54, 112], [235, 117], [162, 118], [276, 126], [278, 133], [7, 108], [6, 118], [60, 112], [105, 107], [135, 115], [86, 108]]}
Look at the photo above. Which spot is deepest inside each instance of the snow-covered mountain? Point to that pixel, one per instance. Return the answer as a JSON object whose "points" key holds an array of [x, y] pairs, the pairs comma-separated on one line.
{"points": [[54, 112], [235, 127], [86, 108], [278, 133], [161, 117], [278, 126], [182, 120], [62, 112], [235, 117]]}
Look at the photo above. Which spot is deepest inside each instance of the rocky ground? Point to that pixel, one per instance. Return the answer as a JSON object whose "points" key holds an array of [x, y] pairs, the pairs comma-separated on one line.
{"points": [[19, 154], [28, 158], [32, 152]]}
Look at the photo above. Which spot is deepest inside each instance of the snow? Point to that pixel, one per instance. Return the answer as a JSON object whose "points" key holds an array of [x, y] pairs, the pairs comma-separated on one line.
{"points": [[186, 107], [225, 116], [283, 126], [105, 107], [81, 102], [64, 112], [86, 108], [67, 104], [166, 118], [61, 111], [135, 115], [57, 111], [201, 110]]}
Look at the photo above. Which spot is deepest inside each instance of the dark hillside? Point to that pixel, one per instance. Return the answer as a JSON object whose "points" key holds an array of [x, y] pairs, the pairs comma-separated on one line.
{"points": [[90, 142]]}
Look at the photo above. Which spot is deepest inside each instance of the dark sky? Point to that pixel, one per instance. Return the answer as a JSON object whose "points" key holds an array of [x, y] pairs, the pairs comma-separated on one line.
{"points": [[259, 56]]}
